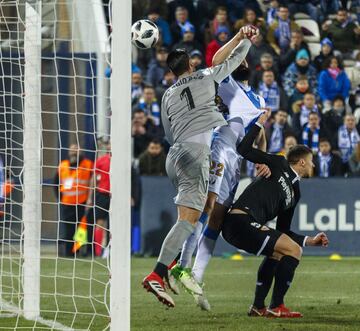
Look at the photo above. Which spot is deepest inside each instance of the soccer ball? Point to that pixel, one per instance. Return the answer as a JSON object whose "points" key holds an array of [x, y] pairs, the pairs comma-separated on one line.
{"points": [[144, 34]]}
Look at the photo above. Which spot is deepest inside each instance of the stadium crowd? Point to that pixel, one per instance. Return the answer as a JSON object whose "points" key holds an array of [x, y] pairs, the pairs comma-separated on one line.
{"points": [[305, 63]]}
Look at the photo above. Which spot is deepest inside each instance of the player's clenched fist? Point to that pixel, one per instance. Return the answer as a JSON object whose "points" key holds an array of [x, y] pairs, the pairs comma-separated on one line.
{"points": [[249, 32], [320, 239]]}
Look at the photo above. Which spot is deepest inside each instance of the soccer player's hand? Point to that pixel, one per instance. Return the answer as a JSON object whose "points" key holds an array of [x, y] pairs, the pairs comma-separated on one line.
{"points": [[248, 32], [320, 239], [262, 170], [264, 117]]}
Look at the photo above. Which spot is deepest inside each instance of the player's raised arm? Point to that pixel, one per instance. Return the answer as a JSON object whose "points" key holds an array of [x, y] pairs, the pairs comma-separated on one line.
{"points": [[224, 52], [230, 56], [252, 154]]}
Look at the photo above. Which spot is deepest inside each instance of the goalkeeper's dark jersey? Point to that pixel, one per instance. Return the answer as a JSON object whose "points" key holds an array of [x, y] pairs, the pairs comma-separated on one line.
{"points": [[267, 198]]}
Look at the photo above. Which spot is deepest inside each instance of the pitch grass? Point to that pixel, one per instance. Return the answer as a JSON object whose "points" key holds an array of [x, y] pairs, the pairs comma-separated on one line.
{"points": [[326, 292]]}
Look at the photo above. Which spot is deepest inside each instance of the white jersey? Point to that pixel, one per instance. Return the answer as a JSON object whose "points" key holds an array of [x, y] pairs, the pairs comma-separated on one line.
{"points": [[244, 107]]}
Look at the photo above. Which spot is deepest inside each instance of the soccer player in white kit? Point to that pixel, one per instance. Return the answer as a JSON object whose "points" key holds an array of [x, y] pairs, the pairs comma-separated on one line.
{"points": [[244, 108]]}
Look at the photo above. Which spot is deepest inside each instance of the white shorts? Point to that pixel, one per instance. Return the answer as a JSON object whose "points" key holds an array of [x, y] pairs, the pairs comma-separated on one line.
{"points": [[224, 170]]}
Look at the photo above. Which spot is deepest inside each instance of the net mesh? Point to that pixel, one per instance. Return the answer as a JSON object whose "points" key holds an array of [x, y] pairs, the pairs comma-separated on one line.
{"points": [[75, 121]]}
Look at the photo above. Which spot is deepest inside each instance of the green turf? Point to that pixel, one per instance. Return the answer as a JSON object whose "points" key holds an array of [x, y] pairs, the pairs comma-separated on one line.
{"points": [[326, 292]]}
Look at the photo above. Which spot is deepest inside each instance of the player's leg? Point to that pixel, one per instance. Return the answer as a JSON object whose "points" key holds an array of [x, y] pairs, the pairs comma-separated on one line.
{"points": [[264, 281], [208, 240], [190, 163], [289, 254]]}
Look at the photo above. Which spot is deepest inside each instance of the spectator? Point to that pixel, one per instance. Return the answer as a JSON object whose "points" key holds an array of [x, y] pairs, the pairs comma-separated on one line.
{"points": [[273, 94], [197, 59], [259, 48], [328, 7], [325, 53], [220, 20], [333, 119], [149, 104], [296, 44], [141, 7], [222, 36], [250, 18], [140, 137], [188, 41], [327, 164], [236, 8], [266, 63], [72, 186], [271, 13], [354, 161], [279, 32], [181, 18], [301, 67], [290, 142], [152, 161], [312, 132], [301, 113], [344, 34], [167, 81], [276, 132], [154, 16], [137, 86], [301, 88], [139, 117], [304, 6], [333, 81], [348, 138], [157, 67]]}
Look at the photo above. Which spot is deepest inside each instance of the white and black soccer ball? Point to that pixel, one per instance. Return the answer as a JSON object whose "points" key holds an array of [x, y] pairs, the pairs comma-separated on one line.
{"points": [[144, 34]]}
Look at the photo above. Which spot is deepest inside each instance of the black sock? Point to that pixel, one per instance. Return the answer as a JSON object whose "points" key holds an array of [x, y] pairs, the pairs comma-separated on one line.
{"points": [[284, 275], [264, 280], [178, 257], [161, 269]]}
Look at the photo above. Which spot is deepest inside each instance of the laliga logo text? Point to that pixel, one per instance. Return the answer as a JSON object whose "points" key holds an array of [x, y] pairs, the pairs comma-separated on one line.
{"points": [[330, 219]]}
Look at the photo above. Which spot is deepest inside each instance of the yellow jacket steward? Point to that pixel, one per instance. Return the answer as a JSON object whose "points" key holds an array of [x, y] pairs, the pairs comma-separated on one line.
{"points": [[75, 182]]}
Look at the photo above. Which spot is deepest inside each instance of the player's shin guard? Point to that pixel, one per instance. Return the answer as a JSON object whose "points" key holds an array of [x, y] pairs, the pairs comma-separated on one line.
{"points": [[191, 242], [172, 245], [284, 275], [205, 250], [264, 280]]}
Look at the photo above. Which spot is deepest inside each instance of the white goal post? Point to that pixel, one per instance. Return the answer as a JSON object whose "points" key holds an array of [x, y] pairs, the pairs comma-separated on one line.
{"points": [[55, 92]]}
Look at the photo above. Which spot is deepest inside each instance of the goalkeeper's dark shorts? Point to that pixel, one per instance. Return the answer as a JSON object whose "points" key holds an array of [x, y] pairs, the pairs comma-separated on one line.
{"points": [[102, 205], [243, 232]]}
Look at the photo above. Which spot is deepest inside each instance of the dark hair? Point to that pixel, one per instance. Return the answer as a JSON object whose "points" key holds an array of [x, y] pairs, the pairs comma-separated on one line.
{"points": [[220, 8], [327, 62], [178, 61], [324, 140], [155, 141], [297, 152], [313, 113], [269, 70], [339, 97], [148, 86], [138, 111], [342, 9]]}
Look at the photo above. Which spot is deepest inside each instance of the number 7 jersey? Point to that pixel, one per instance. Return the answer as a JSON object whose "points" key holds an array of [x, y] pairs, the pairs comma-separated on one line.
{"points": [[188, 107]]}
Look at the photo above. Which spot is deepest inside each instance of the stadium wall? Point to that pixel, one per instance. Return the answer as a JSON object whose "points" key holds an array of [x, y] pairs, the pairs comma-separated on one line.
{"points": [[331, 205]]}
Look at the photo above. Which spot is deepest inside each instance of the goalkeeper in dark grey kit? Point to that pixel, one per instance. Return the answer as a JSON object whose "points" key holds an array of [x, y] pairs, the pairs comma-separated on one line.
{"points": [[189, 114]]}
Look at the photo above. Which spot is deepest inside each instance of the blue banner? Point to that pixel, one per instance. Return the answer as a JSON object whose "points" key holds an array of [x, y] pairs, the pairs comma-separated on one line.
{"points": [[328, 205]]}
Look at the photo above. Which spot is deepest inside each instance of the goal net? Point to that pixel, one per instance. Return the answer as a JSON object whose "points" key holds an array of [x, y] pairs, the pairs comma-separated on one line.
{"points": [[54, 151]]}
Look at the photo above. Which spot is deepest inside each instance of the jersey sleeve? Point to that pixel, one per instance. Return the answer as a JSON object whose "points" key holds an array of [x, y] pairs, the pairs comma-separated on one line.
{"points": [[283, 225], [254, 155], [238, 55]]}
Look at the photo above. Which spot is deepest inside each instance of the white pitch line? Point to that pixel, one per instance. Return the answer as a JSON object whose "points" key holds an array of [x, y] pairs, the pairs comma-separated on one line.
{"points": [[52, 324]]}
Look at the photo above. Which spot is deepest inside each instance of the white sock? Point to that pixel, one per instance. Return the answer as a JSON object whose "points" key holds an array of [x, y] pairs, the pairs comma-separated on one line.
{"points": [[204, 253], [191, 243]]}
